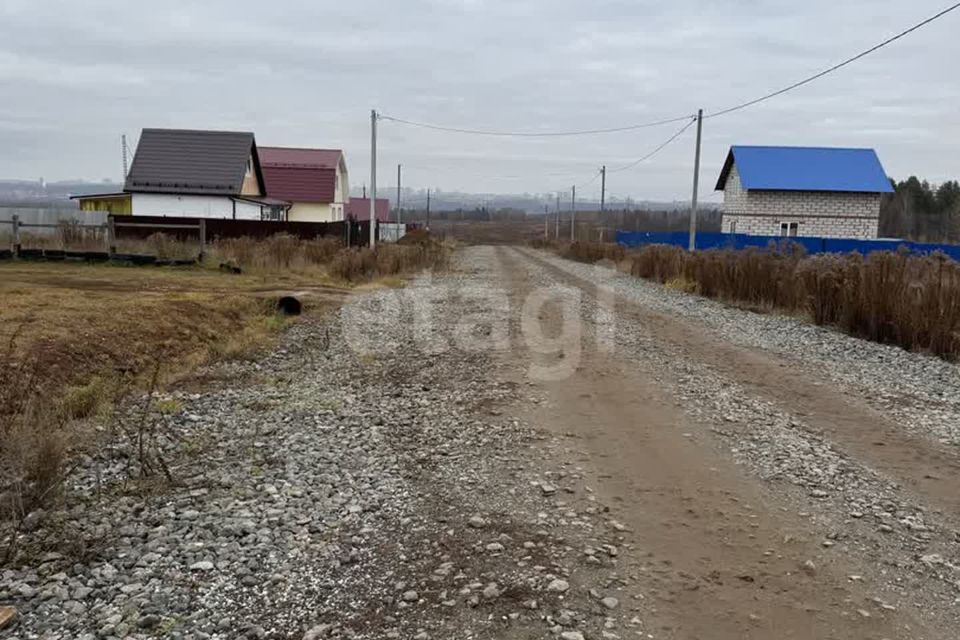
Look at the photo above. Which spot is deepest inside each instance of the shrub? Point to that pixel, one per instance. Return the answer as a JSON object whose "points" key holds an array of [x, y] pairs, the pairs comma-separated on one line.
{"points": [[83, 401], [887, 297], [280, 252], [321, 250], [32, 441], [593, 251], [354, 265]]}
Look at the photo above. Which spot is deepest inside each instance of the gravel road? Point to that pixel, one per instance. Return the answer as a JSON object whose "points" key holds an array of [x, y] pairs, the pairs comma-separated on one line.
{"points": [[523, 447]]}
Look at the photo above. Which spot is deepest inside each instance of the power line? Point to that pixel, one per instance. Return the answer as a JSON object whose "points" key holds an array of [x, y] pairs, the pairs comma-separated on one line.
{"points": [[657, 123], [655, 151], [835, 67], [592, 180], [531, 134]]}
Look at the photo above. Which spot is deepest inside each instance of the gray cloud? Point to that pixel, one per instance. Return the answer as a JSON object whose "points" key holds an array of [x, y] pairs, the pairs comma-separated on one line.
{"points": [[76, 75]]}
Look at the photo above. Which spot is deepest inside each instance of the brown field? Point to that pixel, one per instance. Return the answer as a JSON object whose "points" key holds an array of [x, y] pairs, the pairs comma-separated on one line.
{"points": [[77, 339]]}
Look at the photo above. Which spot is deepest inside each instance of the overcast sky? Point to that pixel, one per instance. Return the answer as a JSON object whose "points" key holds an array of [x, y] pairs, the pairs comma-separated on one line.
{"points": [[75, 75]]}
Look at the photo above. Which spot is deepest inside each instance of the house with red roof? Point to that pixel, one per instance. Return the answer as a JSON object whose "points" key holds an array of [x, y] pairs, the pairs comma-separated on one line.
{"points": [[314, 181]]}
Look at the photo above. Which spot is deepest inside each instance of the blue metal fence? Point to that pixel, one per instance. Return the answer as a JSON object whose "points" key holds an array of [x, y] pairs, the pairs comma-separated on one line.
{"points": [[812, 245]]}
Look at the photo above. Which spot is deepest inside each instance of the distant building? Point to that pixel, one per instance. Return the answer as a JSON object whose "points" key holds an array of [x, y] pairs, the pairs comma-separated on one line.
{"points": [[802, 191], [314, 181], [359, 209], [193, 173]]}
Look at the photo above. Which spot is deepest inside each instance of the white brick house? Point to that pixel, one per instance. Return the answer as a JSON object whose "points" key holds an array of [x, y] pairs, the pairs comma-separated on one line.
{"points": [[802, 191]]}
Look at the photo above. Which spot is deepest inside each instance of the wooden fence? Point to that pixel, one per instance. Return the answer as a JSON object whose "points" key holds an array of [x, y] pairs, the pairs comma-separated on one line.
{"points": [[199, 230], [348, 231]]}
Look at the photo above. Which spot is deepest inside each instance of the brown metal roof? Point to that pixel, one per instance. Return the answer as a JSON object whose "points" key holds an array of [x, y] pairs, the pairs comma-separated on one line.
{"points": [[300, 157], [300, 184], [191, 161]]}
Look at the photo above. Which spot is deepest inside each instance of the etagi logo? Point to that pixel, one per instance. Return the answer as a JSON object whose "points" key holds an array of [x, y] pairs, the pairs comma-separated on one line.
{"points": [[547, 324]]}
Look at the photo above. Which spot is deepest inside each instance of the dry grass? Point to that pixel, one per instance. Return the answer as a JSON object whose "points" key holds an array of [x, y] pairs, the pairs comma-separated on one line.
{"points": [[162, 245], [285, 254], [593, 251], [891, 298], [389, 260], [32, 436], [282, 255], [76, 338], [281, 252]]}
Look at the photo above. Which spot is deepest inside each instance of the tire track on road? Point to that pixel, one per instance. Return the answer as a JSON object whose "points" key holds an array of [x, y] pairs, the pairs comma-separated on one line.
{"points": [[929, 470], [713, 555]]}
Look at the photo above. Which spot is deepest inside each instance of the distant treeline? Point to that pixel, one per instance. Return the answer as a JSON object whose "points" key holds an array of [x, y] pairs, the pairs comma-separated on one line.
{"points": [[921, 211]]}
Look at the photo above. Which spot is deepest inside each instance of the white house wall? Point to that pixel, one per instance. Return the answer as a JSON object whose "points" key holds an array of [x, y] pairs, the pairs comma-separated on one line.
{"points": [[823, 214], [342, 188], [193, 206], [313, 212]]}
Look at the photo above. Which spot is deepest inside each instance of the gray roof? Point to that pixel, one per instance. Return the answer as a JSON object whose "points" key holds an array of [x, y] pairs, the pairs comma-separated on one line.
{"points": [[193, 162]]}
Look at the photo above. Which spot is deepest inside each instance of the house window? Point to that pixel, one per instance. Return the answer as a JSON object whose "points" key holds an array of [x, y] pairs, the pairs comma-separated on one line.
{"points": [[733, 226], [249, 166], [789, 229]]}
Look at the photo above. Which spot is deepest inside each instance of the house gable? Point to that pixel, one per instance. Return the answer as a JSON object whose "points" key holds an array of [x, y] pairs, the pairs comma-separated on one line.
{"points": [[304, 175], [252, 177]]}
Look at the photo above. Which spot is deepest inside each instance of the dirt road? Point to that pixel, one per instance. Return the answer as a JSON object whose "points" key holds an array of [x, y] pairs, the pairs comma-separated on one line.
{"points": [[722, 553], [521, 448]]}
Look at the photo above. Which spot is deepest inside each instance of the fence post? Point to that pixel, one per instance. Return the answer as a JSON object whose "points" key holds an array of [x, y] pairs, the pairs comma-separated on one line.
{"points": [[15, 238], [203, 239], [111, 237]]}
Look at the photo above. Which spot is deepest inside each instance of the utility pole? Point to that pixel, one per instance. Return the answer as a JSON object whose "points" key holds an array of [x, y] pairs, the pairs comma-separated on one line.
{"points": [[573, 212], [373, 178], [428, 209], [546, 222], [696, 184], [557, 230], [124, 151], [603, 188], [399, 211]]}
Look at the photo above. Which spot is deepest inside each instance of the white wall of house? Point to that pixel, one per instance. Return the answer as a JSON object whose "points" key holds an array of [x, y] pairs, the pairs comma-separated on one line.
{"points": [[824, 214], [342, 189], [315, 212], [193, 206]]}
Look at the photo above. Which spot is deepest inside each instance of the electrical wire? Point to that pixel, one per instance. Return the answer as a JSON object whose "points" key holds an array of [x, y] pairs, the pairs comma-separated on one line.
{"points": [[532, 134], [835, 67], [691, 119], [657, 150], [592, 180], [657, 123]]}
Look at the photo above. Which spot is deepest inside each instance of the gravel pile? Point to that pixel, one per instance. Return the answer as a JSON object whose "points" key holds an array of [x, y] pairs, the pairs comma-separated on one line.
{"points": [[916, 552], [322, 492], [921, 393]]}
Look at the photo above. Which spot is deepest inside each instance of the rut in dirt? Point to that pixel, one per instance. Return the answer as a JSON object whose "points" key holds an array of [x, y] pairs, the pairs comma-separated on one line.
{"points": [[783, 550]]}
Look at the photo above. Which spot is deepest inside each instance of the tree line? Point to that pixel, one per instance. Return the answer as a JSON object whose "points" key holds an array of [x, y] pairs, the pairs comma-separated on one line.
{"points": [[918, 210]]}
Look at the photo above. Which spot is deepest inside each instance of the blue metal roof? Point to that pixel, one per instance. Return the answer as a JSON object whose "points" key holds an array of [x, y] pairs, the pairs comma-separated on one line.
{"points": [[806, 169]]}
